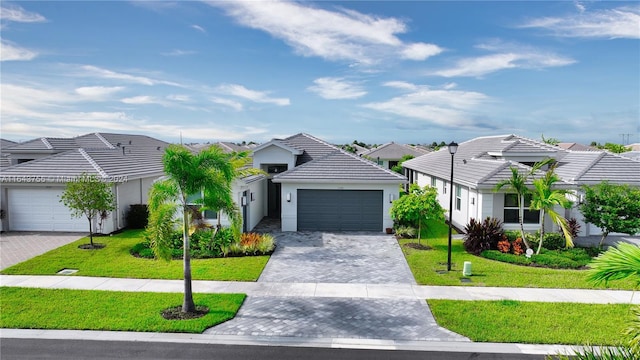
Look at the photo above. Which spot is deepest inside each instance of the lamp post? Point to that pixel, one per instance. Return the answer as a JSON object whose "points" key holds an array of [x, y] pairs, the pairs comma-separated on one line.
{"points": [[453, 147]]}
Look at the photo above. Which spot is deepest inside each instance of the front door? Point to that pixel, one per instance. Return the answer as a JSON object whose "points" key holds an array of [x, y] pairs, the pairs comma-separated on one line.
{"points": [[274, 197]]}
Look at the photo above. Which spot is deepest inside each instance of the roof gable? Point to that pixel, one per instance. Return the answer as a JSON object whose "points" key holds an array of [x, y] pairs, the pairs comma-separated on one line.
{"points": [[339, 166], [393, 151]]}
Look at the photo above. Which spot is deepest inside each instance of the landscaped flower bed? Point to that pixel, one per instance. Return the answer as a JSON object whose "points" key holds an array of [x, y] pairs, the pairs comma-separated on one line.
{"points": [[208, 243]]}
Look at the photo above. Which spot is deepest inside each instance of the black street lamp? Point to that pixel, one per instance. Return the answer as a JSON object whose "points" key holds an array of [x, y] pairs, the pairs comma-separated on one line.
{"points": [[453, 147]]}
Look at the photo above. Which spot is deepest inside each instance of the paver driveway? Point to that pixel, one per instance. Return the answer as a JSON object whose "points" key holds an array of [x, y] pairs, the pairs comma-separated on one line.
{"points": [[336, 258], [19, 246], [318, 257]]}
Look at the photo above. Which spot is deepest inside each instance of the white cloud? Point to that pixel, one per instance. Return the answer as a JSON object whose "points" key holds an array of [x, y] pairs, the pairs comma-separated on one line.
{"points": [[11, 52], [420, 51], [90, 70], [227, 102], [178, 52], [253, 95], [17, 14], [332, 35], [336, 88], [199, 28], [97, 92], [179, 97], [444, 107], [141, 100], [621, 22], [507, 56]]}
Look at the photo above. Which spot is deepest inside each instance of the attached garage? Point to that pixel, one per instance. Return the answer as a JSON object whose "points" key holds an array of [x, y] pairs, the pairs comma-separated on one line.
{"points": [[340, 210], [40, 209]]}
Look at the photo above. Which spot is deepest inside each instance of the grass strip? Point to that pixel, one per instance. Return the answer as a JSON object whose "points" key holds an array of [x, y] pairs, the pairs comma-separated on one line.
{"points": [[511, 321], [115, 261], [29, 308]]}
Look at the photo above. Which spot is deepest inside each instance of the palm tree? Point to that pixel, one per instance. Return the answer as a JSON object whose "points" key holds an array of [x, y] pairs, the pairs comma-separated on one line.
{"points": [[210, 172], [517, 183], [545, 198], [617, 263]]}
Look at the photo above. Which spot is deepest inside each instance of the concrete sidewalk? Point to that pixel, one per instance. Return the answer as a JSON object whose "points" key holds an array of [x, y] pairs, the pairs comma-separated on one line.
{"points": [[328, 290]]}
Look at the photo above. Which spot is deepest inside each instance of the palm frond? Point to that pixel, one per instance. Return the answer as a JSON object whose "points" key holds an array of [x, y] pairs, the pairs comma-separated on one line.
{"points": [[161, 226], [620, 262]]}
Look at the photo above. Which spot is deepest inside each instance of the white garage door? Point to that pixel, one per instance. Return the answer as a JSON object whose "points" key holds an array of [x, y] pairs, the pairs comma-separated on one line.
{"points": [[37, 209]]}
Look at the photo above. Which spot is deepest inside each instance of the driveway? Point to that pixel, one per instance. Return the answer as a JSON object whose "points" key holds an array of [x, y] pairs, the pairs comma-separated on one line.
{"points": [[319, 257], [19, 246], [336, 258]]}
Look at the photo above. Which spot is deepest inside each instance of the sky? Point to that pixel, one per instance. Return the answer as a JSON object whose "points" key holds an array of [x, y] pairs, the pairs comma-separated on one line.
{"points": [[373, 71]]}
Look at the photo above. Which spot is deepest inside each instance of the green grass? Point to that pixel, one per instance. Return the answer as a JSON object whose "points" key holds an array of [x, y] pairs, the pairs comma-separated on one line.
{"points": [[115, 261], [425, 265], [27, 308], [533, 322]]}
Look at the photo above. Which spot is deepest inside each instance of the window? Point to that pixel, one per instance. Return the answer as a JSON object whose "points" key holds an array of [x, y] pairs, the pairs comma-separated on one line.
{"points": [[511, 210], [433, 182], [194, 204], [444, 187], [458, 197], [392, 164]]}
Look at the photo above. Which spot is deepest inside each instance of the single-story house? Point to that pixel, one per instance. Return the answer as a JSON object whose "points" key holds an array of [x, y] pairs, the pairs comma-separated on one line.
{"points": [[481, 163], [313, 185], [30, 189], [390, 154]]}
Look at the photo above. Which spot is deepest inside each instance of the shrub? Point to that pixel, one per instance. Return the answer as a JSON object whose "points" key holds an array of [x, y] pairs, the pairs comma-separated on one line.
{"points": [[480, 236], [405, 232], [517, 246], [554, 241], [138, 216], [508, 258], [504, 246], [512, 235], [554, 260], [574, 227], [267, 244]]}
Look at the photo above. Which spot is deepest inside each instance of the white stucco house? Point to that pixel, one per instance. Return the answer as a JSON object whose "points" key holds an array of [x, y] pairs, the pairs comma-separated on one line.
{"points": [[479, 164], [31, 186], [390, 154]]}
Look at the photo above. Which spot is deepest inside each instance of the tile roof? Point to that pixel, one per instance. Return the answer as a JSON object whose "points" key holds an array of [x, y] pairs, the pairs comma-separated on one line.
{"points": [[393, 151], [105, 163], [312, 148], [482, 162], [4, 143], [339, 166], [92, 140]]}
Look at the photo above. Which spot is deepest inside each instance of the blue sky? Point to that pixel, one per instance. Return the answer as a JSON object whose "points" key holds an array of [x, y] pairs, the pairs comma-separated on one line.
{"points": [[376, 71]]}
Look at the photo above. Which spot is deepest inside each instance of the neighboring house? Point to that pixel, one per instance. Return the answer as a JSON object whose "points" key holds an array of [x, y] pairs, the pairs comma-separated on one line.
{"points": [[634, 147], [389, 155], [634, 155], [480, 163], [312, 185], [30, 189], [4, 156], [576, 147]]}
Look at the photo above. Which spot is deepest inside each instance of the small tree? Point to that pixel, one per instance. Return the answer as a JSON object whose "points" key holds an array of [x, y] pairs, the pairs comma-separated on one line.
{"points": [[613, 208], [418, 206], [398, 168], [88, 196], [545, 198]]}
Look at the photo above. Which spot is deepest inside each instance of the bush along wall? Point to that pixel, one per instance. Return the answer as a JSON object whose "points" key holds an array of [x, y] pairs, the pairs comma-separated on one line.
{"points": [[138, 216]]}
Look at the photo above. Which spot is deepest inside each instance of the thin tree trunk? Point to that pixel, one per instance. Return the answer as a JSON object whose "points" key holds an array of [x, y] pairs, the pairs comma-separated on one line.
{"points": [[521, 220], [541, 231], [90, 232], [604, 236], [188, 304]]}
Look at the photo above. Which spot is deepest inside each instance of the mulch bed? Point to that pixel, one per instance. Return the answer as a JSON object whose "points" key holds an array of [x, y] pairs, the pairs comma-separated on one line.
{"points": [[417, 246], [175, 313]]}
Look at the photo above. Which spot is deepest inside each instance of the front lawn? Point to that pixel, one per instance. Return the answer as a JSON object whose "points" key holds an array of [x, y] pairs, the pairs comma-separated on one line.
{"points": [[27, 308], [533, 322], [115, 261], [429, 268]]}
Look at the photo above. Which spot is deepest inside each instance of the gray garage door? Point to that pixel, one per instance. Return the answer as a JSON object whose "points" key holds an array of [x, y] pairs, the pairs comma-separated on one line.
{"points": [[339, 210]]}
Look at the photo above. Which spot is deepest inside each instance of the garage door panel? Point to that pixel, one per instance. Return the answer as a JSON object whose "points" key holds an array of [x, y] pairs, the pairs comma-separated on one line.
{"points": [[40, 209], [339, 210]]}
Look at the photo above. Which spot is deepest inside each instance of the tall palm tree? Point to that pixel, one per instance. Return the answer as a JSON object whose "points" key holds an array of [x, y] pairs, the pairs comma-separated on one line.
{"points": [[211, 171], [545, 198], [517, 183]]}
